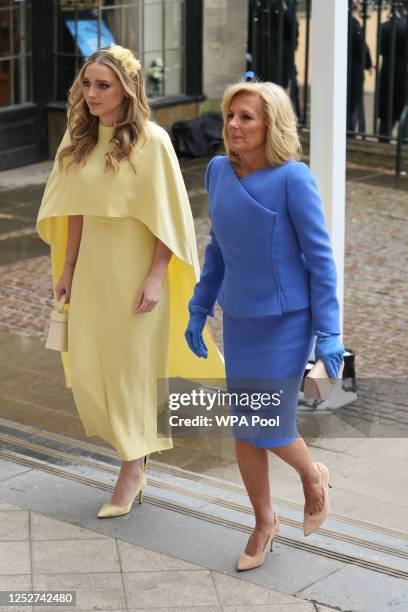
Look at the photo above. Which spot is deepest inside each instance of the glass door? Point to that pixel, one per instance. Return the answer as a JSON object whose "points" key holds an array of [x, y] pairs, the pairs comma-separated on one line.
{"points": [[15, 52], [22, 120]]}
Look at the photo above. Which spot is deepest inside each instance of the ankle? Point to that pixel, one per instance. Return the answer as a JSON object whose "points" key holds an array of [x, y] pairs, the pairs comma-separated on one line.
{"points": [[265, 522], [311, 476], [132, 469]]}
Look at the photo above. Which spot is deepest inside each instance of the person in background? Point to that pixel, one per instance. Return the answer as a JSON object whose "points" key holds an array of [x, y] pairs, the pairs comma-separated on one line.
{"points": [[395, 82], [360, 60]]}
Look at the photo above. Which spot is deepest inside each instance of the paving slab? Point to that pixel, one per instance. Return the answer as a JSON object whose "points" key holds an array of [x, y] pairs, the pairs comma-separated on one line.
{"points": [[15, 558], [20, 582], [80, 556], [14, 525], [7, 507], [45, 528], [94, 590], [180, 609], [303, 607], [234, 592], [137, 559], [157, 589], [381, 592]]}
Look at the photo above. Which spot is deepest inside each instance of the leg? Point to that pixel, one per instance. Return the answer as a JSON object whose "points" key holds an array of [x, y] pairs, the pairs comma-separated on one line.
{"points": [[297, 455], [127, 481], [253, 465]]}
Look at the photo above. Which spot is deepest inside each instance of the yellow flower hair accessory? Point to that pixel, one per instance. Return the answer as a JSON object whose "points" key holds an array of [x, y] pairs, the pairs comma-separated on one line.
{"points": [[129, 63]]}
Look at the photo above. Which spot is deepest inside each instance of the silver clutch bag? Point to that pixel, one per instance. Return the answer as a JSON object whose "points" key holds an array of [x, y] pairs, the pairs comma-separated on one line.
{"points": [[318, 385], [58, 333]]}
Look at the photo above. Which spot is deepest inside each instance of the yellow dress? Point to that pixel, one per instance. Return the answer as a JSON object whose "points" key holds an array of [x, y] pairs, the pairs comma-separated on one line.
{"points": [[115, 358]]}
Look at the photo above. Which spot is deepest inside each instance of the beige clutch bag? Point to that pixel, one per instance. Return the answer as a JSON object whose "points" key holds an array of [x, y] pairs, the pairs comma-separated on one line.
{"points": [[58, 333], [318, 385]]}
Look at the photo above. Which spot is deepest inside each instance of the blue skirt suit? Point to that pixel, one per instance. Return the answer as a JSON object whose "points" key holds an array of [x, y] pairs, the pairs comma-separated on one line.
{"points": [[270, 266]]}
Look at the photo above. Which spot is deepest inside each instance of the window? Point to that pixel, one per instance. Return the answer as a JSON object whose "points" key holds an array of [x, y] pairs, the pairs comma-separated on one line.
{"points": [[163, 46], [15, 52], [153, 29]]}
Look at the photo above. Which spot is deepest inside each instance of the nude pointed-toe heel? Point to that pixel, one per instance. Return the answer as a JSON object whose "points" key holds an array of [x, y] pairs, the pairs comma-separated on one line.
{"points": [[108, 510], [312, 521], [247, 562]]}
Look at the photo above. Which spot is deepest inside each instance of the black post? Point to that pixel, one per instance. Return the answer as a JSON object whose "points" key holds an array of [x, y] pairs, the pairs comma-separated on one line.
{"points": [[281, 10], [403, 122], [267, 73], [405, 132], [42, 62], [194, 47], [391, 84], [42, 50], [306, 73], [361, 113], [253, 8], [377, 70], [294, 87], [349, 62]]}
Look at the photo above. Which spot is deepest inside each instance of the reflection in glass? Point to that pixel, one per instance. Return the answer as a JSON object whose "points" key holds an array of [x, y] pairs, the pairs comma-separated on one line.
{"points": [[15, 53], [154, 70], [174, 25], [153, 27], [174, 72], [163, 46], [85, 26]]}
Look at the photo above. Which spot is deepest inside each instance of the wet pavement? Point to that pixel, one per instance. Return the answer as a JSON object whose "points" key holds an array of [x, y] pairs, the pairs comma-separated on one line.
{"points": [[375, 317], [375, 324]]}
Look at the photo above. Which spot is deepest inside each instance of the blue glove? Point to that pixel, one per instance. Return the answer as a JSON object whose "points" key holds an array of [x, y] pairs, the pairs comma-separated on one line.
{"points": [[330, 350], [194, 331]]}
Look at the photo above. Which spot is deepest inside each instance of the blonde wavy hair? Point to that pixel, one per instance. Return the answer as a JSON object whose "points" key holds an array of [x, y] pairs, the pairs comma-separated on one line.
{"points": [[282, 139], [128, 129]]}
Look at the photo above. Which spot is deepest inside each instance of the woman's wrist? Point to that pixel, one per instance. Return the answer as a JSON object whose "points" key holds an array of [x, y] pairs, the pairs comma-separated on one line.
{"points": [[69, 264], [157, 277]]}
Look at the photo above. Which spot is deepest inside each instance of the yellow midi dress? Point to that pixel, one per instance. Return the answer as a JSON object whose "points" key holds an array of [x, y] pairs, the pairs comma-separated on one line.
{"points": [[115, 357]]}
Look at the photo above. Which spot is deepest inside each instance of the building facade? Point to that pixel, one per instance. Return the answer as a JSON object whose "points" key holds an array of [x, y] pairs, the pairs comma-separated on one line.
{"points": [[44, 42]]}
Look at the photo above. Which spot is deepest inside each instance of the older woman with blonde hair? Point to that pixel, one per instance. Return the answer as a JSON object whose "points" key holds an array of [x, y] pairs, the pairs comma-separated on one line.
{"points": [[270, 265], [116, 214]]}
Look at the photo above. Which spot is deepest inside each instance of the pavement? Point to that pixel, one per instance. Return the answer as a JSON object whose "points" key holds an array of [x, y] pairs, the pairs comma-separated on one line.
{"points": [[51, 479], [39, 553]]}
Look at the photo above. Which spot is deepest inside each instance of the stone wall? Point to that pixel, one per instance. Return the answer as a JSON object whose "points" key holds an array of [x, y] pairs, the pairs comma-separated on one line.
{"points": [[225, 38]]}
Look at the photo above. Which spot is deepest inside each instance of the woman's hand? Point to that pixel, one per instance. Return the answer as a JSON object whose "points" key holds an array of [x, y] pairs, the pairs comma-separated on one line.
{"points": [[148, 295], [330, 349], [194, 331], [65, 282]]}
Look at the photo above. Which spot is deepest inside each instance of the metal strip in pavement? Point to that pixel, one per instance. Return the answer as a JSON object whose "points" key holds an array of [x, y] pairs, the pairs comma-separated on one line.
{"points": [[223, 503], [65, 473], [186, 474]]}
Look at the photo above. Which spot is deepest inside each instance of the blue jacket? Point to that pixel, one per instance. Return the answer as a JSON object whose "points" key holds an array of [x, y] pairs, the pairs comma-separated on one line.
{"points": [[270, 251]]}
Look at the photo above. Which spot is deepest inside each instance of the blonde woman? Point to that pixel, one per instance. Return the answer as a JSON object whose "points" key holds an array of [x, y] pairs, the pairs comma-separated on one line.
{"points": [[116, 214], [270, 265]]}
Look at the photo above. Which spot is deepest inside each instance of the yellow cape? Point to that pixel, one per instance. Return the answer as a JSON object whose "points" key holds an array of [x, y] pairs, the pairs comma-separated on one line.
{"points": [[156, 196]]}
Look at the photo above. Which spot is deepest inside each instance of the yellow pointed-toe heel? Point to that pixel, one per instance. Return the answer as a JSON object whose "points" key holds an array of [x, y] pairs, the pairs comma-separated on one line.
{"points": [[247, 562], [109, 510], [312, 521]]}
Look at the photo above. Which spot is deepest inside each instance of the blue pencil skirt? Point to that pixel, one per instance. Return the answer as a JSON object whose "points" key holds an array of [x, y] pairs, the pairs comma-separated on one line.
{"points": [[265, 359]]}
